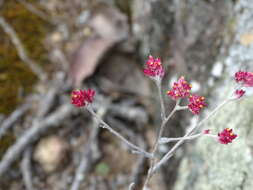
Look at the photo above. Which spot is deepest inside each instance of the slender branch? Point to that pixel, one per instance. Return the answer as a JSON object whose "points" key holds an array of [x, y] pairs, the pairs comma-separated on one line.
{"points": [[47, 102], [106, 126], [159, 86], [26, 169], [90, 155], [165, 140], [13, 118], [21, 50], [182, 108], [191, 130], [32, 134], [163, 125], [211, 113], [176, 108], [164, 122]]}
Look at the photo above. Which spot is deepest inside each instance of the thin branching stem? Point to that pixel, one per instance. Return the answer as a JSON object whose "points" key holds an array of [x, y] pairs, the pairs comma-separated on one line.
{"points": [[165, 140], [182, 107], [106, 126], [189, 132], [163, 125], [159, 86]]}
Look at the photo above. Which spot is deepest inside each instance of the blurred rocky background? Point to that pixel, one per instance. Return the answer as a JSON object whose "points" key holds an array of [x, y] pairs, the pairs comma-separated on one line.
{"points": [[50, 47]]}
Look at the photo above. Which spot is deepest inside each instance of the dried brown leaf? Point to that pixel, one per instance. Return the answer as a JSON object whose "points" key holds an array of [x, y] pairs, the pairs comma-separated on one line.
{"points": [[109, 27]]}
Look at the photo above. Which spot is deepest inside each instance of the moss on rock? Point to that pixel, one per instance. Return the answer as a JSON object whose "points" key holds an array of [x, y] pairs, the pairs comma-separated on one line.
{"points": [[15, 77]]}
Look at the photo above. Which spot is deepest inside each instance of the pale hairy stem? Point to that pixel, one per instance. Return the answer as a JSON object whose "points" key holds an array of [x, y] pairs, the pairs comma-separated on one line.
{"points": [[165, 140], [165, 121], [159, 86], [182, 108], [189, 132], [106, 126], [163, 125]]}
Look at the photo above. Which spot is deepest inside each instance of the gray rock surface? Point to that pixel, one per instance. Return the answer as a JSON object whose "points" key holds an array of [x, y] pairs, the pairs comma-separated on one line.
{"points": [[209, 165]]}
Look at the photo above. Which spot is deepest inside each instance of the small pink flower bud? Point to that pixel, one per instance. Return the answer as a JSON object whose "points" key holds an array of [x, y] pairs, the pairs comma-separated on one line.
{"points": [[79, 98], [196, 103], [89, 95], [239, 93], [246, 78], [226, 136], [207, 131], [180, 89], [153, 67]]}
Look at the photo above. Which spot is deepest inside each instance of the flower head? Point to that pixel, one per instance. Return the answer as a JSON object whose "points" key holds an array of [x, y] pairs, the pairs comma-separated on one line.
{"points": [[206, 131], [153, 67], [239, 93], [180, 89], [89, 95], [226, 136], [246, 78], [196, 103], [79, 98]]}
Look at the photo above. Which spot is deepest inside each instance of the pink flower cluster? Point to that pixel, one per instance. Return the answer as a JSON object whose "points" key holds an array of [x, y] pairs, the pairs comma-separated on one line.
{"points": [[226, 136], [206, 131], [80, 98], [239, 93], [245, 79], [181, 89], [196, 103], [153, 67]]}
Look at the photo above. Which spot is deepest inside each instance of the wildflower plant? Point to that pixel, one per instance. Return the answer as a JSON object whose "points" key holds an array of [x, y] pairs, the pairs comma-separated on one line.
{"points": [[180, 89]]}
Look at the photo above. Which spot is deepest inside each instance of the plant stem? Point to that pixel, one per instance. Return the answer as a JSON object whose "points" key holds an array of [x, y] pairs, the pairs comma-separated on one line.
{"points": [[163, 125], [165, 140], [159, 86], [191, 130], [106, 126], [182, 108]]}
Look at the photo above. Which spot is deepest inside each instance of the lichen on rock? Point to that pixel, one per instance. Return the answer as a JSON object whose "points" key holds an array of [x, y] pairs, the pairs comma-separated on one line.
{"points": [[210, 165]]}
